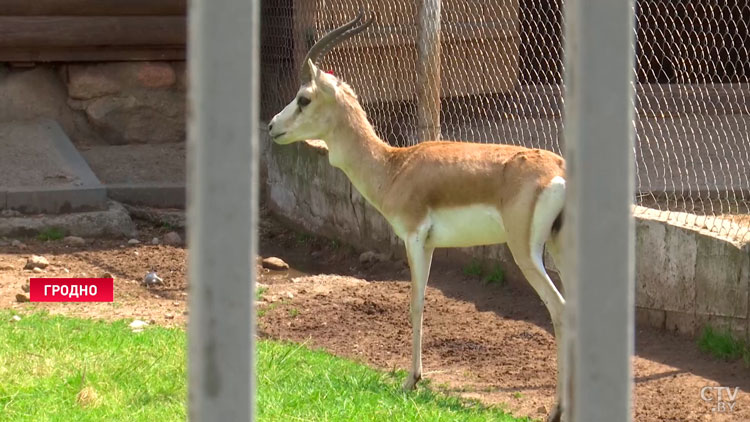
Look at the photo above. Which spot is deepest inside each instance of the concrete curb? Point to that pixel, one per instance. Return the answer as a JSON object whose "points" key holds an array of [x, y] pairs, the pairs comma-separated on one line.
{"points": [[114, 221], [159, 195]]}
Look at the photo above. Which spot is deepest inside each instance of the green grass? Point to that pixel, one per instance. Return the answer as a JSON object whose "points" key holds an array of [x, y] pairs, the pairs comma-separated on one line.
{"points": [[46, 361], [496, 276], [49, 363], [297, 384], [51, 233], [474, 268], [723, 345], [259, 292]]}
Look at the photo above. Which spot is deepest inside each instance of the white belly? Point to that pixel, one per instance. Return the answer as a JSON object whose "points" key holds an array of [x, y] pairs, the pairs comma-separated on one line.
{"points": [[472, 225]]}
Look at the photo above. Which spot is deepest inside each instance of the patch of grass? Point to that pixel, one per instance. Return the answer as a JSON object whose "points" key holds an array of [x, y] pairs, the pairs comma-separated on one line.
{"points": [[261, 312], [57, 368], [298, 384], [496, 276], [168, 227], [259, 292], [517, 395], [293, 312], [723, 345], [477, 269], [474, 268], [51, 233], [303, 238]]}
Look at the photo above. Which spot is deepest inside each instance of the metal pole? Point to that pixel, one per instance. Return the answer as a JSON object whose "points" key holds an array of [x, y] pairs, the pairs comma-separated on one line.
{"points": [[428, 71], [599, 228], [222, 207]]}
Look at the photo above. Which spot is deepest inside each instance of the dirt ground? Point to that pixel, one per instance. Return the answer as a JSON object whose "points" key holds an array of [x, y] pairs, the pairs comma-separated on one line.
{"points": [[489, 342]]}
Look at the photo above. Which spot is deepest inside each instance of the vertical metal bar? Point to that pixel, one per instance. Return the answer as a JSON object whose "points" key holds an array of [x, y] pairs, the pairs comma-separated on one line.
{"points": [[428, 71], [599, 232], [222, 207]]}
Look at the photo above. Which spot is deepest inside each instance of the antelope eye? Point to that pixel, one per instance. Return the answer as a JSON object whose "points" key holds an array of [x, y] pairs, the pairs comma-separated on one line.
{"points": [[303, 101]]}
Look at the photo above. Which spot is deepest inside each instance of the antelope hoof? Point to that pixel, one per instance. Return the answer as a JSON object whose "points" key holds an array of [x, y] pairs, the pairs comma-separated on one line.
{"points": [[411, 382], [555, 414]]}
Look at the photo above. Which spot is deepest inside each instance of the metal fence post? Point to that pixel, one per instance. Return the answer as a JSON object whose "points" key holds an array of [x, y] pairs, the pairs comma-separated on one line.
{"points": [[428, 70], [222, 206], [599, 230]]}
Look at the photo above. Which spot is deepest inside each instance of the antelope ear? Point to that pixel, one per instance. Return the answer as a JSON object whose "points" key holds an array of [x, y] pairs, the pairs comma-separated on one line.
{"points": [[309, 71], [325, 81]]}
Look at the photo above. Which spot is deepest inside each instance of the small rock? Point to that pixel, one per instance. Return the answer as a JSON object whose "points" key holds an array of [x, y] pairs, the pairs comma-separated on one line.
{"points": [[15, 318], [74, 241], [18, 244], [273, 263], [542, 410], [36, 261], [152, 278], [37, 270], [136, 253], [134, 242], [4, 242], [26, 287], [172, 238], [107, 275], [155, 241], [184, 312], [156, 74], [260, 286], [20, 297], [290, 295], [169, 316], [66, 271], [138, 324], [5, 267]]}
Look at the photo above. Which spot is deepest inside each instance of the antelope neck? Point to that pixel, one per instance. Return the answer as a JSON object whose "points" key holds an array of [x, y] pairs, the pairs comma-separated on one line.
{"points": [[364, 158]]}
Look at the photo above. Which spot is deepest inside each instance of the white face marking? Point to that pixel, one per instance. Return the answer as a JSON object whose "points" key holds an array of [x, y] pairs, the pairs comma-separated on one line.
{"points": [[310, 114], [472, 225]]}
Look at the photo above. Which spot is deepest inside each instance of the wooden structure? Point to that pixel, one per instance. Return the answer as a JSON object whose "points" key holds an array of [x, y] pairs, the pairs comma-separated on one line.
{"points": [[479, 46], [92, 30]]}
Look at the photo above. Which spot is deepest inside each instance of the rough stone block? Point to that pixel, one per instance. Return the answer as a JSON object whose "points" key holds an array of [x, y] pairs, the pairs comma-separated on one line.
{"points": [[736, 326], [680, 322], [650, 260], [650, 317], [720, 288]]}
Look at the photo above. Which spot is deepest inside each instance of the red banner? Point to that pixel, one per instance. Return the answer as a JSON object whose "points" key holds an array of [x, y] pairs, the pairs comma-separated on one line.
{"points": [[71, 289]]}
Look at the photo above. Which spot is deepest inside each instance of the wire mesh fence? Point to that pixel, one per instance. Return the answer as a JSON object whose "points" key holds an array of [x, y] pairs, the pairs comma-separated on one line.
{"points": [[501, 82]]}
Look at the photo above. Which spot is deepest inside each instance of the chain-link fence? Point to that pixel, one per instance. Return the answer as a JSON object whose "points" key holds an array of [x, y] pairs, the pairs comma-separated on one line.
{"points": [[501, 64]]}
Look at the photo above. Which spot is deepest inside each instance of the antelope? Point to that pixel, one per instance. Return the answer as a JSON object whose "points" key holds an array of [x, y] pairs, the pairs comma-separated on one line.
{"points": [[435, 194]]}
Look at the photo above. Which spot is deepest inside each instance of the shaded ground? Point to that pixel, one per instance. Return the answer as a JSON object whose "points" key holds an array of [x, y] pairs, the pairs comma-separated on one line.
{"points": [[489, 342]]}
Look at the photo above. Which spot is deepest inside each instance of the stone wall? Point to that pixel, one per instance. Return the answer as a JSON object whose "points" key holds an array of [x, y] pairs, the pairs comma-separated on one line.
{"points": [[686, 277], [99, 104]]}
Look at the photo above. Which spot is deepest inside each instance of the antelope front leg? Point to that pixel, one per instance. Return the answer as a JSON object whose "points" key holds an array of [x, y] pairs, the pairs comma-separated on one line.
{"points": [[420, 259]]}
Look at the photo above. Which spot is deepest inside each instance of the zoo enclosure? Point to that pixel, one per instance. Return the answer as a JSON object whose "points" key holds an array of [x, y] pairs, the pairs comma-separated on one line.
{"points": [[500, 80]]}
